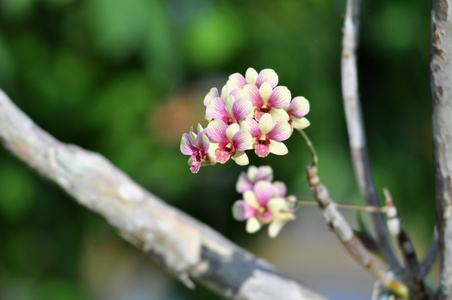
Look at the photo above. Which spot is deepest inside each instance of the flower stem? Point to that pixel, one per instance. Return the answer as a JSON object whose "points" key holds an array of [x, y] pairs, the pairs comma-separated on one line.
{"points": [[310, 146], [370, 209]]}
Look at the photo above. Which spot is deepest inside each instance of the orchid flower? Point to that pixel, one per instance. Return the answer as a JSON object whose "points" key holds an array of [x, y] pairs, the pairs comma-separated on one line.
{"points": [[269, 136], [247, 180], [230, 111], [296, 110], [197, 146], [260, 206], [237, 81], [229, 141]]}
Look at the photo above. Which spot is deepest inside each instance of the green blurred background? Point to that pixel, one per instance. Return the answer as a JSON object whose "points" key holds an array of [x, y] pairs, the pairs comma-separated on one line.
{"points": [[127, 78]]}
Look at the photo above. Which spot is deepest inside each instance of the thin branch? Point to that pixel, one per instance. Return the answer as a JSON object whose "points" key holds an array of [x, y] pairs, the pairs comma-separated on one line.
{"points": [[348, 238], [441, 88], [185, 247], [369, 209], [355, 129]]}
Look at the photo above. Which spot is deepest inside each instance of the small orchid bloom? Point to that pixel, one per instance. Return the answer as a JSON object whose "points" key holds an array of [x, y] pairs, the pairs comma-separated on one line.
{"points": [[237, 81], [247, 180], [268, 136], [296, 110], [268, 100], [279, 188], [229, 141], [197, 146], [230, 111], [261, 207]]}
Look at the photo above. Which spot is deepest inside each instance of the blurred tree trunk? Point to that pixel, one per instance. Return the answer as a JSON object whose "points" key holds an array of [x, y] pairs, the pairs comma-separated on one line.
{"points": [[441, 86]]}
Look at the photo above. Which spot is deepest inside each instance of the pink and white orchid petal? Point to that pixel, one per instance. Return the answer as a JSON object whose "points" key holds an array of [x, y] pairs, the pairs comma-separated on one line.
{"points": [[217, 109], [217, 131], [200, 129], [263, 191], [251, 199], [266, 91], [275, 227], [300, 123], [266, 123], [211, 153], [253, 225], [222, 155], [225, 91], [213, 93], [280, 188], [275, 205], [299, 107], [252, 93], [236, 81], [264, 173], [241, 158], [242, 211], [195, 167], [245, 126], [279, 114], [267, 75], [251, 173], [244, 183], [278, 148], [231, 131], [280, 97], [280, 132], [203, 142], [255, 129], [242, 140], [251, 76], [186, 145], [242, 108], [229, 103], [261, 150]]}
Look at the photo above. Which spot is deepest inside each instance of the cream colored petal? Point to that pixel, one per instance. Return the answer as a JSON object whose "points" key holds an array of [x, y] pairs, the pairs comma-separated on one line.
{"points": [[252, 173], [253, 225], [299, 123], [229, 103], [276, 204], [279, 114], [266, 123], [251, 199], [265, 90], [226, 90], [193, 137], [251, 75], [200, 129], [275, 227], [232, 130], [278, 148], [241, 158], [211, 152]]}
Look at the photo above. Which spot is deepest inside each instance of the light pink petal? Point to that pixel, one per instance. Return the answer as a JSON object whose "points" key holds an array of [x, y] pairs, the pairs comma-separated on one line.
{"points": [[280, 97], [195, 167], [216, 109], [222, 156], [267, 75], [236, 81], [242, 210], [252, 93], [266, 216], [242, 108], [255, 130], [244, 183], [217, 131], [242, 141], [261, 150], [264, 173], [203, 141], [280, 132], [280, 188], [186, 145], [212, 94], [299, 107], [263, 191]]}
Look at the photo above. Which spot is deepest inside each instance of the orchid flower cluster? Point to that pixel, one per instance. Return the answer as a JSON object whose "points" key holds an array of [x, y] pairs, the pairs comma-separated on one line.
{"points": [[264, 201], [251, 112]]}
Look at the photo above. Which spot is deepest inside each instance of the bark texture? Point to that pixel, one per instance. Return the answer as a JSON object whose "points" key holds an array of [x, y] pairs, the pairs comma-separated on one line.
{"points": [[185, 247], [441, 86]]}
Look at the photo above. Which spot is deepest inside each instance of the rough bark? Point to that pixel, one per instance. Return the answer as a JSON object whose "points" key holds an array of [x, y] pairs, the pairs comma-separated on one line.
{"points": [[185, 247], [441, 87]]}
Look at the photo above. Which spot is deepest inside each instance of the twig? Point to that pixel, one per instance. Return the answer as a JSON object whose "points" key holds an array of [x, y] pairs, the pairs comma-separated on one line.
{"points": [[185, 247], [441, 88], [369, 209], [355, 129], [348, 238]]}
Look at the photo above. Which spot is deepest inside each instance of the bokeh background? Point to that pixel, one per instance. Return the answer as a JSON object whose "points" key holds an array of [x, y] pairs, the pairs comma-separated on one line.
{"points": [[127, 78]]}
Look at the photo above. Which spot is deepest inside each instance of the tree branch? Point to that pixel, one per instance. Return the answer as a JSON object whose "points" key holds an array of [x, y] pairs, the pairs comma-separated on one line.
{"points": [[355, 129], [441, 87], [185, 247]]}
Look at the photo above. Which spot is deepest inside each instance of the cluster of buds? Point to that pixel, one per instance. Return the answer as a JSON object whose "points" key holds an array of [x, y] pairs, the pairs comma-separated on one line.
{"points": [[251, 112], [264, 201]]}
